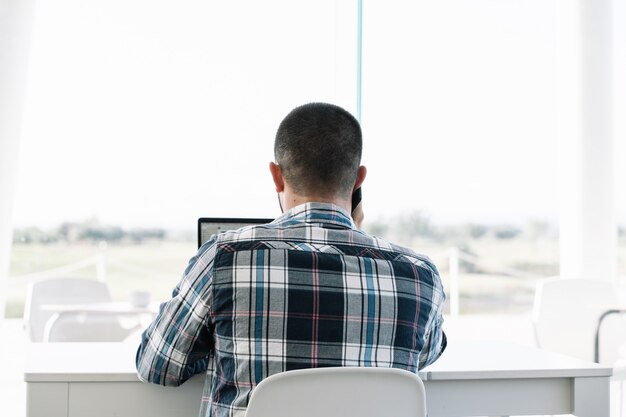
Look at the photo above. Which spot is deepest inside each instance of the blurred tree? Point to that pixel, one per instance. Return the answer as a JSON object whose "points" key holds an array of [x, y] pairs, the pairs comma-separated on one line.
{"points": [[506, 232], [475, 230], [411, 225]]}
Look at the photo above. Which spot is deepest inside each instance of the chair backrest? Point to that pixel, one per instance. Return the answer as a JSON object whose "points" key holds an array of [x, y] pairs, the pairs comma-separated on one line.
{"points": [[86, 327], [68, 291], [566, 313], [339, 392]]}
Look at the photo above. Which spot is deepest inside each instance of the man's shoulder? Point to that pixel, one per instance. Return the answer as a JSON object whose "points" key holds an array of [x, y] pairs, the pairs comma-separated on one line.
{"points": [[408, 254], [287, 235], [250, 232]]}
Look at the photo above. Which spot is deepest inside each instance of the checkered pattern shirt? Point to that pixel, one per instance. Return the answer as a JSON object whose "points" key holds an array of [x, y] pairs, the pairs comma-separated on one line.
{"points": [[307, 290]]}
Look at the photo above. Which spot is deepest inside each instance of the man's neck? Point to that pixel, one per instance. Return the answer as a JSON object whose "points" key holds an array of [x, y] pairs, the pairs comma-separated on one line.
{"points": [[290, 200]]}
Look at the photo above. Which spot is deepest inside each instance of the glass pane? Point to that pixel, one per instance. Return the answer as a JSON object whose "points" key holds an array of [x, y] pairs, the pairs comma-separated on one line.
{"points": [[144, 115], [459, 118]]}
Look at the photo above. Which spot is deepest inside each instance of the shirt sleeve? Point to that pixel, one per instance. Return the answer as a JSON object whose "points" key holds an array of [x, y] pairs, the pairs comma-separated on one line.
{"points": [[436, 343], [178, 343], [435, 339]]}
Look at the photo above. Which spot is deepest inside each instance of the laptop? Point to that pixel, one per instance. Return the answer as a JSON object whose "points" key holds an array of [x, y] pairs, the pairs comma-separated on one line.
{"points": [[208, 226]]}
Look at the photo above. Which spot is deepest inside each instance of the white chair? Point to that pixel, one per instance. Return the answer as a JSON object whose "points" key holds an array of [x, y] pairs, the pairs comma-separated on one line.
{"points": [[339, 392], [566, 314], [50, 326]]}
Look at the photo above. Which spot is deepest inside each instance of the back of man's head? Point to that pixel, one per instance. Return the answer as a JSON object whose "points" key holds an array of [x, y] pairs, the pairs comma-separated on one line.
{"points": [[318, 147]]}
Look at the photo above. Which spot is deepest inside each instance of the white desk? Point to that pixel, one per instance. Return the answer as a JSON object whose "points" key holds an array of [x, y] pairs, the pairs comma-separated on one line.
{"points": [[470, 379]]}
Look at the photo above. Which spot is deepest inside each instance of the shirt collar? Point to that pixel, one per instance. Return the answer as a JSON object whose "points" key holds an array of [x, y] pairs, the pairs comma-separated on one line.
{"points": [[325, 213]]}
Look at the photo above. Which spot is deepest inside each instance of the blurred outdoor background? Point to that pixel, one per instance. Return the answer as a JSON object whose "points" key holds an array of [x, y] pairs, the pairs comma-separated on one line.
{"points": [[142, 116]]}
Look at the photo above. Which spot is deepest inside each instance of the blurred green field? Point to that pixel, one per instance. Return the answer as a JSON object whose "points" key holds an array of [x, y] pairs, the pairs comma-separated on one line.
{"points": [[490, 285], [485, 286], [154, 266]]}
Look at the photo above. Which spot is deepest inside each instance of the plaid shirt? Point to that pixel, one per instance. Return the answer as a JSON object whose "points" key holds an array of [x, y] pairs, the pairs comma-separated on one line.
{"points": [[307, 290]]}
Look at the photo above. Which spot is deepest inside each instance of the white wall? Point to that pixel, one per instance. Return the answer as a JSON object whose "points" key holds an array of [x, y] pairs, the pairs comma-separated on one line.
{"points": [[15, 27]]}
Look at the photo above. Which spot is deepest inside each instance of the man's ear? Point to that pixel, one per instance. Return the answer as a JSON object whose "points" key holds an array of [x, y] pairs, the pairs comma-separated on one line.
{"points": [[277, 176], [360, 177]]}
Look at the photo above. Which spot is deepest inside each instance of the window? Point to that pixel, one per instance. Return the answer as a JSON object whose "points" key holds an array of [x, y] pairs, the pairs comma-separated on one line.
{"points": [[143, 116], [460, 96]]}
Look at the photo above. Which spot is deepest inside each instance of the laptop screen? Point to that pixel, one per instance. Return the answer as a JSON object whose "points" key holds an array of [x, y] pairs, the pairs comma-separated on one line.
{"points": [[208, 226]]}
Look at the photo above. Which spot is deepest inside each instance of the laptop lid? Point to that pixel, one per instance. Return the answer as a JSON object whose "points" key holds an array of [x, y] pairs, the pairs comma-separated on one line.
{"points": [[208, 226]]}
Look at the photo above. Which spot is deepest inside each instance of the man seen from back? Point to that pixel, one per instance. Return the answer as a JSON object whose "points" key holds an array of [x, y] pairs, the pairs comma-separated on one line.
{"points": [[308, 290]]}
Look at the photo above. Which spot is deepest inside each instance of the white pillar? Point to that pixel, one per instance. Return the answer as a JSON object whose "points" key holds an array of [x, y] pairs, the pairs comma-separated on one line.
{"points": [[15, 27], [588, 230]]}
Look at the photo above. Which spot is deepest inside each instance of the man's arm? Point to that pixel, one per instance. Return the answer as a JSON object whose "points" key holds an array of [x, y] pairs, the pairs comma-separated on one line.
{"points": [[434, 345], [435, 341], [178, 342]]}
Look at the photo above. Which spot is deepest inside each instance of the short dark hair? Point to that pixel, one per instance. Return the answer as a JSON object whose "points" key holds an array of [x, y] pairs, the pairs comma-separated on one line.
{"points": [[318, 147]]}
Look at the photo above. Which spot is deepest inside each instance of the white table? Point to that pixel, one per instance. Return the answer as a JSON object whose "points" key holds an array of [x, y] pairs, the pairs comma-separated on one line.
{"points": [[470, 379], [501, 379]]}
